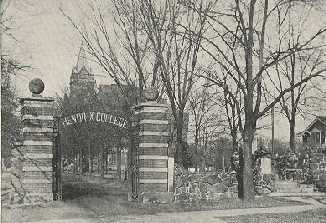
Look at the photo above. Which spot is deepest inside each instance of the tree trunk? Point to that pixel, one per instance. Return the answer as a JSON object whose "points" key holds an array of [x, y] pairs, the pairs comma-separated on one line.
{"points": [[106, 160], [75, 162], [78, 162], [89, 157], [292, 134], [119, 163], [179, 147], [203, 165], [102, 162], [98, 164], [81, 161], [234, 141], [248, 192], [92, 163], [240, 173], [196, 149]]}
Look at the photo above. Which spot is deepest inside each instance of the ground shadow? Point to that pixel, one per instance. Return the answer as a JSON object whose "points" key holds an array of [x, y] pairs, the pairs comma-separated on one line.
{"points": [[95, 187]]}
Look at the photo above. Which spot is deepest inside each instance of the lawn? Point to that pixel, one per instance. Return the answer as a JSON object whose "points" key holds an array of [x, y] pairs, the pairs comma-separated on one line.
{"points": [[312, 216], [111, 200]]}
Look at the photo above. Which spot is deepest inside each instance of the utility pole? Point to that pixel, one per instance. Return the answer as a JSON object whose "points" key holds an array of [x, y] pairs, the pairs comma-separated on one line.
{"points": [[1, 32], [1, 25]]}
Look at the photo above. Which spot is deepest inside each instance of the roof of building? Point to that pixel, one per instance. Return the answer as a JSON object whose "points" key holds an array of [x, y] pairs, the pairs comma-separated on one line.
{"points": [[321, 119], [82, 60], [81, 76]]}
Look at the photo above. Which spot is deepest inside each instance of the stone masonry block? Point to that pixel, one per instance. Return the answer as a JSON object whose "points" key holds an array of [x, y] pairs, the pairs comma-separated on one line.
{"points": [[37, 178]]}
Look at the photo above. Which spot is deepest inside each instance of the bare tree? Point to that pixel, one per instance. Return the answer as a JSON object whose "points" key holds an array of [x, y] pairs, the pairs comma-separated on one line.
{"points": [[204, 110], [175, 33], [239, 45], [232, 104], [120, 47], [153, 36], [3, 26], [296, 68]]}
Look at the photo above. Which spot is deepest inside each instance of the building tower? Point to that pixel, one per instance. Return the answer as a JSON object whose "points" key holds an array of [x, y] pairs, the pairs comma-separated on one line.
{"points": [[81, 79]]}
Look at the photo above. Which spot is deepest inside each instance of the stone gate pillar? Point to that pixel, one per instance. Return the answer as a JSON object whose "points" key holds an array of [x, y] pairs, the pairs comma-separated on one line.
{"points": [[154, 174], [37, 145]]}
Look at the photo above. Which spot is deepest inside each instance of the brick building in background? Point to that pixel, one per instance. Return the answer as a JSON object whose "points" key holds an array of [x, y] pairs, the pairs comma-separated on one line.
{"points": [[111, 100], [81, 79]]}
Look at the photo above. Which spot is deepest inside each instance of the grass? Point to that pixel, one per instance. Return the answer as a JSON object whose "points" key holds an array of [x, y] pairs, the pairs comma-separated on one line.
{"points": [[111, 200], [107, 199], [312, 216], [53, 210]]}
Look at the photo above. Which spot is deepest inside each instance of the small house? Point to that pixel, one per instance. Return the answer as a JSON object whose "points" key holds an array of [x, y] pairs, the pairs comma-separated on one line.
{"points": [[315, 133]]}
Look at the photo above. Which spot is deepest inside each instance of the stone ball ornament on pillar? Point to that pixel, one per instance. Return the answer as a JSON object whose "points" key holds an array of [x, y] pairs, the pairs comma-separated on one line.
{"points": [[36, 86]]}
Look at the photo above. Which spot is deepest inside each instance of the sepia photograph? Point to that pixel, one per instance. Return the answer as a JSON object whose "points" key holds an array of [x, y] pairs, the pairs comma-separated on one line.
{"points": [[163, 111]]}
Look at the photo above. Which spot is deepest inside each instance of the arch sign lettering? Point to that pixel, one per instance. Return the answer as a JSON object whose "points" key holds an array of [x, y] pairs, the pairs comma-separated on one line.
{"points": [[94, 117]]}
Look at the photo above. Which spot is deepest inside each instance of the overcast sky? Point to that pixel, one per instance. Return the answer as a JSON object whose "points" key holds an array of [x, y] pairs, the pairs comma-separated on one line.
{"points": [[45, 40]]}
